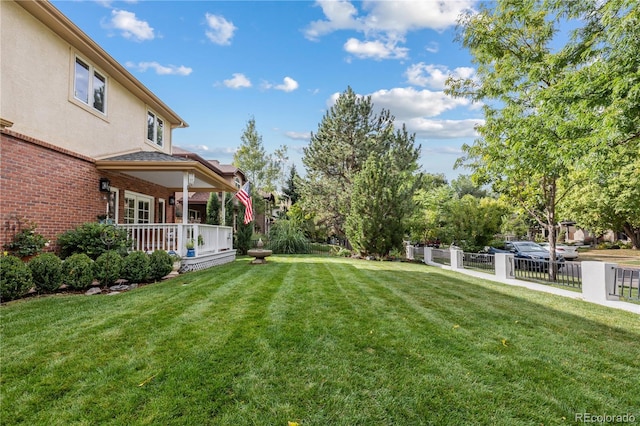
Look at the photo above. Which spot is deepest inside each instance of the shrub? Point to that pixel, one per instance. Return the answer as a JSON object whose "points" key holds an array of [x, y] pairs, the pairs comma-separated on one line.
{"points": [[135, 267], [27, 242], [93, 239], [286, 238], [108, 267], [46, 270], [160, 264], [15, 278], [77, 271]]}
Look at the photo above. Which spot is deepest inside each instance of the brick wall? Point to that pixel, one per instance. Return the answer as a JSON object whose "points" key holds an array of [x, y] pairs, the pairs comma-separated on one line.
{"points": [[55, 188]]}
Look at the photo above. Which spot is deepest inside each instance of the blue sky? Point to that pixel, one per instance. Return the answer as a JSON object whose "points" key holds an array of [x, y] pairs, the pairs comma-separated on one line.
{"points": [[220, 63]]}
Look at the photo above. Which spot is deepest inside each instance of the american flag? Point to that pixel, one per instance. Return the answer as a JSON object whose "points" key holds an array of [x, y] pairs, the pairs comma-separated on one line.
{"points": [[245, 198]]}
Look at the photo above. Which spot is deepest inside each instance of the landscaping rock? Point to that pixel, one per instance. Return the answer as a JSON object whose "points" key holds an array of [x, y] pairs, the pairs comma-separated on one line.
{"points": [[92, 291], [119, 287]]}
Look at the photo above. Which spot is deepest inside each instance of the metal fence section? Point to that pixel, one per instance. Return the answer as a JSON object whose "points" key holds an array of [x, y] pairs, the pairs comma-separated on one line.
{"points": [[481, 261], [568, 274], [441, 256], [627, 283]]}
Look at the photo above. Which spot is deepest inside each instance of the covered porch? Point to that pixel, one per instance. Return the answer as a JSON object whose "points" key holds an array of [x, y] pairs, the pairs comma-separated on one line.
{"points": [[212, 244]]}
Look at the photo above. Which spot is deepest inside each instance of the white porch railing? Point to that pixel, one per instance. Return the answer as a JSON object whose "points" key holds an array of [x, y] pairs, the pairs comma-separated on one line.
{"points": [[174, 237]]}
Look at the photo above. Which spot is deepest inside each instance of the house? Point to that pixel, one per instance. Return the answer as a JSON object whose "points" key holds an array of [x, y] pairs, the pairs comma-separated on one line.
{"points": [[83, 139]]}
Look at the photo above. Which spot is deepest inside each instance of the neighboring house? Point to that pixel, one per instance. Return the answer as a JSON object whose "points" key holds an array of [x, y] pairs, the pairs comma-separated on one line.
{"points": [[82, 138]]}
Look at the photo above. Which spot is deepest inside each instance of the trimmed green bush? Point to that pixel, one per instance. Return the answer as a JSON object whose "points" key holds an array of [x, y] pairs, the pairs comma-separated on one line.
{"points": [[135, 267], [93, 239], [15, 278], [77, 271], [108, 267], [46, 270], [160, 264]]}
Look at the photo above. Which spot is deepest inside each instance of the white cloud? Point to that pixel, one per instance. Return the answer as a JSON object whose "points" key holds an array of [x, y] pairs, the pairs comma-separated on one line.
{"points": [[288, 85], [340, 16], [435, 76], [299, 136], [130, 26], [405, 103], [160, 69], [416, 109], [385, 23], [432, 47], [443, 129], [375, 49], [238, 81], [220, 30]]}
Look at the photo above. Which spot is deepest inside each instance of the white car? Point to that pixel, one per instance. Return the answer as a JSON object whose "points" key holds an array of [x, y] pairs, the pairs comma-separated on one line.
{"points": [[568, 252]]}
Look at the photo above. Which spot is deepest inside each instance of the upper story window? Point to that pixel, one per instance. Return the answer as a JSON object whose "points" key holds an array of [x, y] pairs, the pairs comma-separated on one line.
{"points": [[89, 86], [155, 129], [236, 181]]}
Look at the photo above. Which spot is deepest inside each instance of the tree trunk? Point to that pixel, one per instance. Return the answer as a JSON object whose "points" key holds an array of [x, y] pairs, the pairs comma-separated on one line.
{"points": [[633, 234]]}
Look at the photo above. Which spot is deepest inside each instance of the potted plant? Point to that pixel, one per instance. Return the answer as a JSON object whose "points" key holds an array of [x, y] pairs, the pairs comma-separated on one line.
{"points": [[177, 261], [190, 248]]}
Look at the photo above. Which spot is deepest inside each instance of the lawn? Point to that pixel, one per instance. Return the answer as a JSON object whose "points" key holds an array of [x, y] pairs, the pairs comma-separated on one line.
{"points": [[317, 341]]}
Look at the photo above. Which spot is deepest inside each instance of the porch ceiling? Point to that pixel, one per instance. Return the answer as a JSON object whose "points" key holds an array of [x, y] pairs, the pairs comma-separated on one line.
{"points": [[166, 170]]}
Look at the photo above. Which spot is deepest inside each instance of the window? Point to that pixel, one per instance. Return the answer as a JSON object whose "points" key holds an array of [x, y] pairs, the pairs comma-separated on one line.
{"points": [[237, 183], [89, 86], [137, 208], [155, 128]]}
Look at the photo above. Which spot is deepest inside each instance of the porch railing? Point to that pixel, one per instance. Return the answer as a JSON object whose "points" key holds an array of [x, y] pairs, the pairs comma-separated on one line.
{"points": [[174, 237]]}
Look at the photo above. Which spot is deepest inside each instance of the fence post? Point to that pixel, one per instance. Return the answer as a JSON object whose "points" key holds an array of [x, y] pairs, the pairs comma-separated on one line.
{"points": [[409, 251], [428, 255], [504, 266], [457, 257], [598, 281]]}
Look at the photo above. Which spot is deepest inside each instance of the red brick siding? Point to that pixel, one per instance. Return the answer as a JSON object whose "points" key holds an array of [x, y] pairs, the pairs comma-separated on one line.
{"points": [[55, 188]]}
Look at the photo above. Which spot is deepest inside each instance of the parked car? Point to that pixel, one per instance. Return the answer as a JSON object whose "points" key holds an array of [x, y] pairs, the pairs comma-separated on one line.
{"points": [[567, 252], [528, 255]]}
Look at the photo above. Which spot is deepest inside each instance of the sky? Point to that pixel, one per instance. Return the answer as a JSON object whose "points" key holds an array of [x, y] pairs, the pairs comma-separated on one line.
{"points": [[218, 64]]}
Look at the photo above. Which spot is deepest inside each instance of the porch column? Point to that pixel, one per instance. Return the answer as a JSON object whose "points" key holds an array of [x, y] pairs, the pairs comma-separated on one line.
{"points": [[223, 210], [185, 198]]}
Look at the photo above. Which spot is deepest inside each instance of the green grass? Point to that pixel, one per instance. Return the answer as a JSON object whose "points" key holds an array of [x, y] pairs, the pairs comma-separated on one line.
{"points": [[318, 341]]}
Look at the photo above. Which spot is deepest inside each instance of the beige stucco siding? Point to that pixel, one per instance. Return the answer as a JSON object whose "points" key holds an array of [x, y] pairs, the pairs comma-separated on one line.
{"points": [[36, 92]]}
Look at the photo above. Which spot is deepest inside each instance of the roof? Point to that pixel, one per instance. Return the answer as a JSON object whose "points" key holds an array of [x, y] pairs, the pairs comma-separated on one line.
{"points": [[50, 16], [167, 170]]}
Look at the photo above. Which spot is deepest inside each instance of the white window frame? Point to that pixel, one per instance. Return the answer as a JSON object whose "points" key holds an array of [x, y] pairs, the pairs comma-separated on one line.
{"points": [[162, 210], [137, 197], [93, 72], [115, 204], [158, 122]]}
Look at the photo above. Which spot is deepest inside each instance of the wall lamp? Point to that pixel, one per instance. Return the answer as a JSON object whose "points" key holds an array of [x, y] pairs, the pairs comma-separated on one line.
{"points": [[105, 185], [172, 200]]}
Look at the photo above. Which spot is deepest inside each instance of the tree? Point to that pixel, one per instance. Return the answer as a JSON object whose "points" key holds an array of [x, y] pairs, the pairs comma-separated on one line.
{"points": [[530, 142], [263, 170], [213, 209], [244, 234], [610, 200], [464, 185], [348, 134], [604, 92], [381, 201], [290, 188]]}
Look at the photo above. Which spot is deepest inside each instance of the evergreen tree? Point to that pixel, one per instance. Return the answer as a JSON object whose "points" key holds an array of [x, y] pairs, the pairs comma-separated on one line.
{"points": [[291, 186], [349, 133], [213, 209]]}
